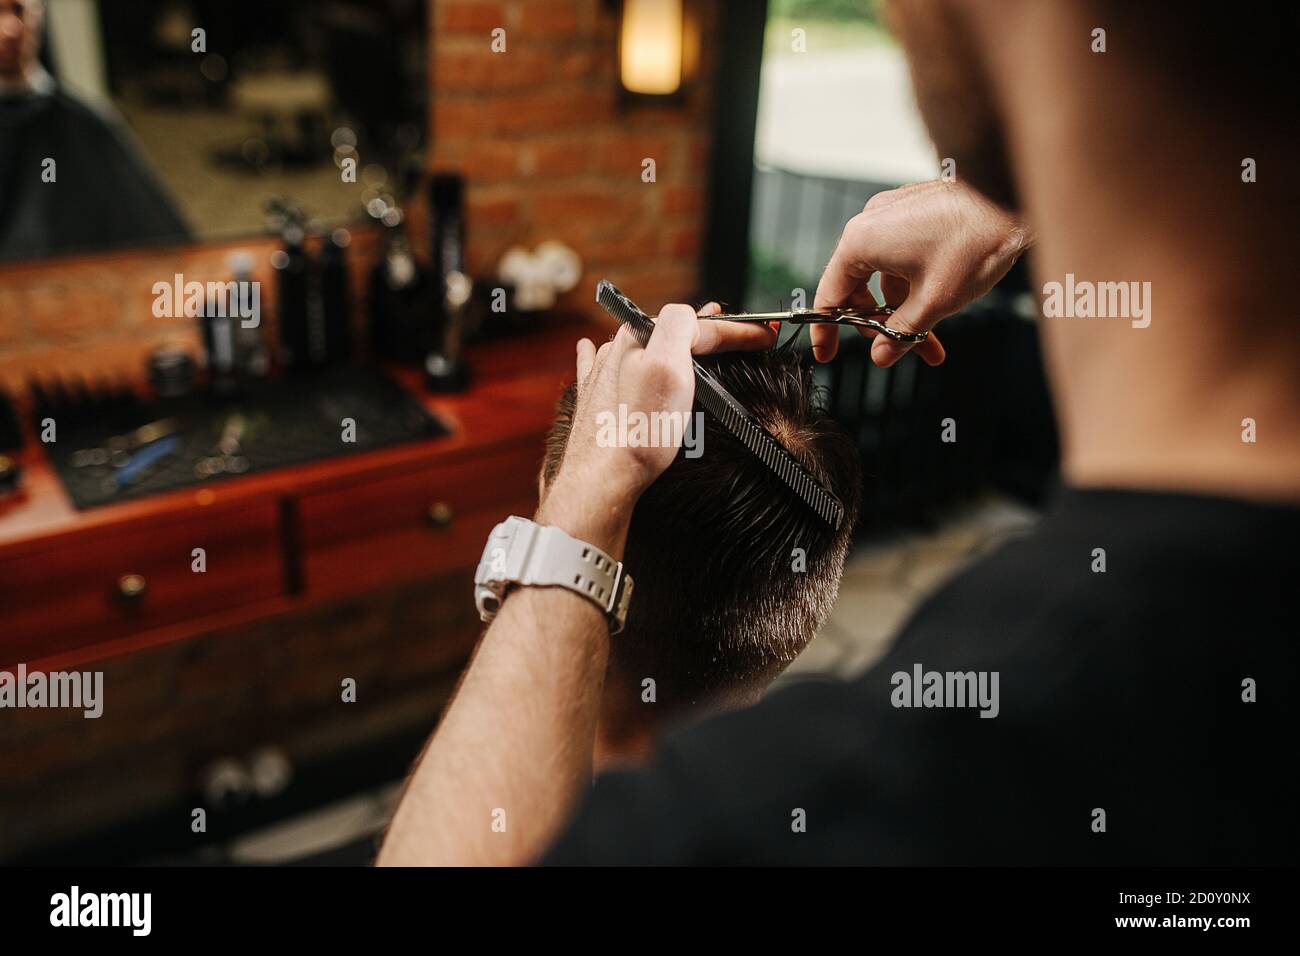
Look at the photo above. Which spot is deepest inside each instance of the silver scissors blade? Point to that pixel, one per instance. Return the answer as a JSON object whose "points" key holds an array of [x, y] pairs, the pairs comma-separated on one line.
{"points": [[858, 318]]}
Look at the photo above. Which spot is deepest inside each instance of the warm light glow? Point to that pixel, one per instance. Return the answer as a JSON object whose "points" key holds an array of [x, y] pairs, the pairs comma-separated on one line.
{"points": [[650, 46]]}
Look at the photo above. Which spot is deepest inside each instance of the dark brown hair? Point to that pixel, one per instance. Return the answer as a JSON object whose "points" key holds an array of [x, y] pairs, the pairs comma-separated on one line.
{"points": [[719, 605]]}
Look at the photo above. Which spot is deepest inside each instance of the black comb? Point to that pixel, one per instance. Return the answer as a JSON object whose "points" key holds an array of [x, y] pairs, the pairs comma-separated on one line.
{"points": [[719, 403]]}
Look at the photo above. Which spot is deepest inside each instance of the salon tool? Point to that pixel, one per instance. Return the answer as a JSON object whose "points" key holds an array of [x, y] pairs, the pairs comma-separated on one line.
{"points": [[447, 251], [293, 296], [251, 359], [444, 369], [334, 296], [858, 318], [217, 327], [171, 371], [284, 425], [403, 327], [144, 462], [726, 409], [117, 451], [226, 456]]}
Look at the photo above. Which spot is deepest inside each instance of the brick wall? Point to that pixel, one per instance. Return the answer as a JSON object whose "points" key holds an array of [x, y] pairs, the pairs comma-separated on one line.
{"points": [[550, 151], [547, 148]]}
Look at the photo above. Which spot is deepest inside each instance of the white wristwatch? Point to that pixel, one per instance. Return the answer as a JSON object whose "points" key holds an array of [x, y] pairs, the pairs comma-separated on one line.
{"points": [[519, 551]]}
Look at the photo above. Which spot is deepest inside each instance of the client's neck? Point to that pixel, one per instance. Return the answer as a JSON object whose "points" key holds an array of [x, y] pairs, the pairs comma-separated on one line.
{"points": [[615, 748], [629, 723]]}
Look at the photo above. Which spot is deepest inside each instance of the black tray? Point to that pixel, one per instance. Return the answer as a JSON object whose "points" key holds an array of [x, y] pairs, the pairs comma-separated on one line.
{"points": [[290, 421]]}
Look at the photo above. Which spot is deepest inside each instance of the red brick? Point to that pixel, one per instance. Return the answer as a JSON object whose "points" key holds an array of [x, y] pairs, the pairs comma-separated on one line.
{"points": [[682, 243], [585, 204], [74, 312], [479, 70], [568, 204], [557, 158], [651, 286], [582, 64], [491, 210], [467, 16], [544, 110], [623, 154], [456, 120], [680, 200], [486, 249], [491, 161], [552, 18], [639, 241], [698, 156], [13, 329]]}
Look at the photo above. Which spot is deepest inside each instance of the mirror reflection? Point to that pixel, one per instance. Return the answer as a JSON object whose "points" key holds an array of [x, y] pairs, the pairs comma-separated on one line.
{"points": [[147, 122]]}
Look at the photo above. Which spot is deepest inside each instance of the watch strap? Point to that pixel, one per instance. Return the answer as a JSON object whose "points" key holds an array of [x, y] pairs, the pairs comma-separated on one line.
{"points": [[520, 551]]}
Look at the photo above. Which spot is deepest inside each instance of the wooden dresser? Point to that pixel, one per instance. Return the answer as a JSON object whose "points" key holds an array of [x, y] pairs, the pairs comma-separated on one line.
{"points": [[358, 567]]}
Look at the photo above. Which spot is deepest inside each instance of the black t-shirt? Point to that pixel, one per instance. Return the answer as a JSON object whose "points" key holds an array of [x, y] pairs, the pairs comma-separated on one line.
{"points": [[1119, 704]]}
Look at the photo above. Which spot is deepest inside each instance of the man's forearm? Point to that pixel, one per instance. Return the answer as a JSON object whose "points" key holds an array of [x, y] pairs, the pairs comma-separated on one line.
{"points": [[512, 755]]}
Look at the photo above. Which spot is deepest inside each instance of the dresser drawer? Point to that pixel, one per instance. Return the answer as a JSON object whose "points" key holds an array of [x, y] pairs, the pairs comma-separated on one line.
{"points": [[414, 524], [112, 582]]}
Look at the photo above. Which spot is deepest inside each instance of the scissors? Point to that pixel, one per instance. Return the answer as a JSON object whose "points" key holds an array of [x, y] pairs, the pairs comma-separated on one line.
{"points": [[858, 318]]}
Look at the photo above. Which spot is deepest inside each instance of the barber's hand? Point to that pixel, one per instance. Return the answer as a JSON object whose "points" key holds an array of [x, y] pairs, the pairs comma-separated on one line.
{"points": [[599, 481], [938, 246]]}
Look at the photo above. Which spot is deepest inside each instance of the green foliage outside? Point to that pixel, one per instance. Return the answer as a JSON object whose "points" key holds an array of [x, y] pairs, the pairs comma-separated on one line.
{"points": [[827, 25]]}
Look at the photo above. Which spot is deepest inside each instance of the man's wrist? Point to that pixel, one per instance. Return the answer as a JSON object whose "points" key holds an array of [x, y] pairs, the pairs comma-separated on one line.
{"points": [[600, 519]]}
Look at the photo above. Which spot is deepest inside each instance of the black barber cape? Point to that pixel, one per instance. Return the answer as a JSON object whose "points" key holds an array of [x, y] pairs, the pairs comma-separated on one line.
{"points": [[1125, 731], [104, 193]]}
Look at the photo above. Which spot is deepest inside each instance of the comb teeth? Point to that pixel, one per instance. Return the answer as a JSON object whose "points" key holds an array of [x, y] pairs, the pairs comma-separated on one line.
{"points": [[719, 403], [625, 310]]}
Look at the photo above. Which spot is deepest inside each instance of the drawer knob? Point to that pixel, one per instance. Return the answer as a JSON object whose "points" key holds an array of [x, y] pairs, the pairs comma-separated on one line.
{"points": [[131, 587], [439, 515]]}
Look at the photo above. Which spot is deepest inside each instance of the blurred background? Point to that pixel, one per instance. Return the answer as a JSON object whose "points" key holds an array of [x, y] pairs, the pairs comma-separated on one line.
{"points": [[228, 230]]}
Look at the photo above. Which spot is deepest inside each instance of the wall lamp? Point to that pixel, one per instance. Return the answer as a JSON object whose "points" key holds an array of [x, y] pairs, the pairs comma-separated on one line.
{"points": [[658, 43]]}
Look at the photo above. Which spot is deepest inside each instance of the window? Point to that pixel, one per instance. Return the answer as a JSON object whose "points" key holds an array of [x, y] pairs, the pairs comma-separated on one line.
{"points": [[837, 122]]}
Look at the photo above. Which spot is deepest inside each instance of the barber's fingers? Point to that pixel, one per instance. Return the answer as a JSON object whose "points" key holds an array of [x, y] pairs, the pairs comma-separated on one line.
{"points": [[895, 289], [847, 272], [586, 358], [845, 276], [675, 332], [719, 335], [910, 316], [722, 336], [912, 313], [613, 350]]}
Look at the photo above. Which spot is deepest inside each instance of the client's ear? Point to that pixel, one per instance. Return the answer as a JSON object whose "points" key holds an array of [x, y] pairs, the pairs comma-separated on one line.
{"points": [[541, 484]]}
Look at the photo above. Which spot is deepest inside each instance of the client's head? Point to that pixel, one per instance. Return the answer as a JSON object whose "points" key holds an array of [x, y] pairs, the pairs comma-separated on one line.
{"points": [[733, 572]]}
